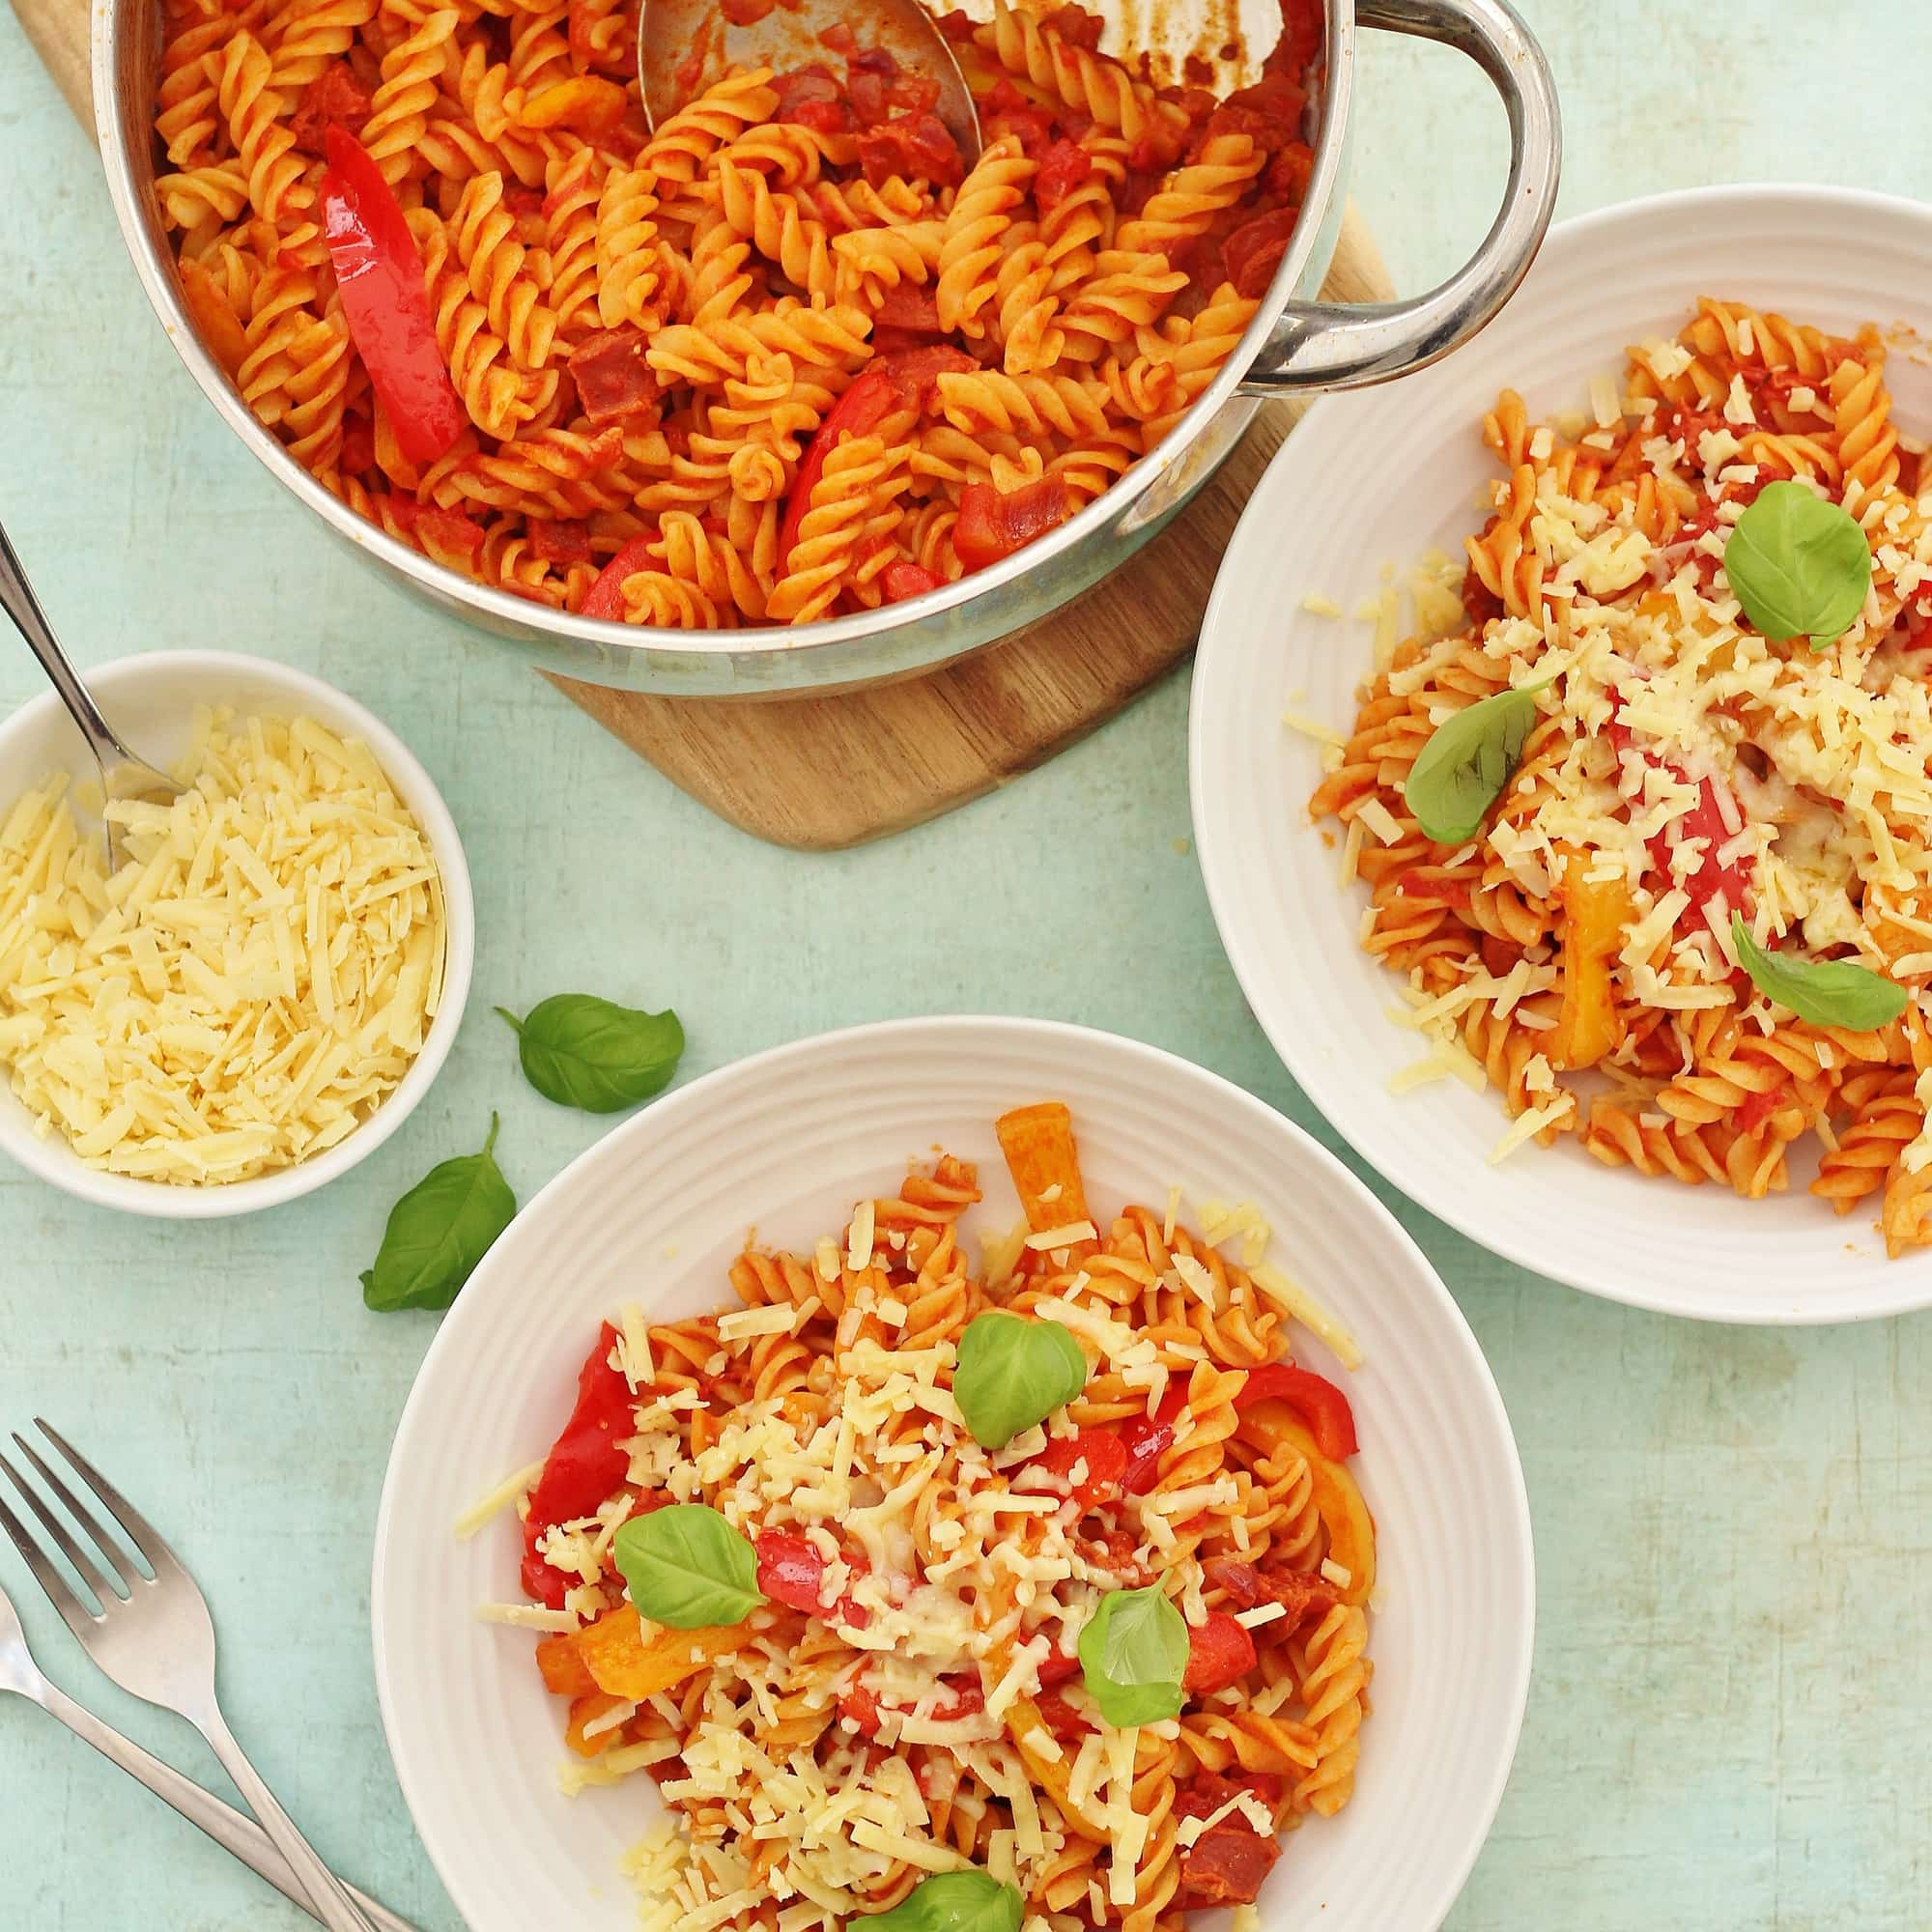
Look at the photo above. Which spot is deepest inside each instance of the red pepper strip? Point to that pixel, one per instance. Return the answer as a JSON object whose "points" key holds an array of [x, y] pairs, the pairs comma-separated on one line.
{"points": [[1320, 1404], [1147, 1440], [1704, 820], [861, 407], [1219, 1652], [1102, 1451], [969, 1696], [381, 278], [584, 1467], [605, 597]]}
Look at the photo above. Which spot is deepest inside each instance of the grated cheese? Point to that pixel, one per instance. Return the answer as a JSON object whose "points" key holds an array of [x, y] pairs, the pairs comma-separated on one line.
{"points": [[251, 984], [528, 1616], [510, 1491]]}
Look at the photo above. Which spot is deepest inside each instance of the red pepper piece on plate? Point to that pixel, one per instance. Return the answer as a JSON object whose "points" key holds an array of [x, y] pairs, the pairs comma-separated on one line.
{"points": [[1219, 1652], [1314, 1398], [584, 1467]]}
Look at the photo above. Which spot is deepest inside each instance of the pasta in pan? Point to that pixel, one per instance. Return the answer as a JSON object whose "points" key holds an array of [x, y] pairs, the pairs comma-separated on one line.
{"points": [[782, 358], [1046, 1580], [1647, 827]]}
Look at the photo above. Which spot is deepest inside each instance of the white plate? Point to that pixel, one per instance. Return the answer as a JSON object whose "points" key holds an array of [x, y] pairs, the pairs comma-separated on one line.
{"points": [[152, 700], [787, 1141], [1373, 479]]}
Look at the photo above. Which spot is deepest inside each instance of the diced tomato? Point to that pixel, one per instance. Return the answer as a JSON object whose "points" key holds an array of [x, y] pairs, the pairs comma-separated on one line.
{"points": [[613, 380], [902, 581], [359, 446], [448, 532], [560, 540], [605, 597], [860, 409], [1076, 26], [916, 371], [1416, 886], [1757, 1108], [814, 86], [1147, 1440], [584, 1467], [911, 308], [1320, 1404], [1300, 1595], [822, 117], [1104, 1455], [918, 146], [1226, 1864], [1219, 1652], [1006, 110], [840, 39], [1705, 820], [333, 99], [1062, 167], [1061, 1721], [1253, 251], [860, 1708], [380, 277], [791, 1568], [968, 1698], [745, 13], [1240, 1581], [994, 524], [1302, 27]]}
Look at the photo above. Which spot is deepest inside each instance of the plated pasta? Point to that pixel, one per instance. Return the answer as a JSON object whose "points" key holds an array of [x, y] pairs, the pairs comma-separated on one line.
{"points": [[785, 358], [1035, 1592], [1647, 824]]}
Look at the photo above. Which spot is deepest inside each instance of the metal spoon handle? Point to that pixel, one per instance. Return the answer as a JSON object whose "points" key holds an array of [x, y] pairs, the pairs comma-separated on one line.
{"points": [[17, 597], [222, 1823]]}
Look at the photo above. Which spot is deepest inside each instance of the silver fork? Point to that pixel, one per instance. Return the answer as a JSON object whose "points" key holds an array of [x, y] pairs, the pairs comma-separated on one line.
{"points": [[230, 1829], [157, 1642]]}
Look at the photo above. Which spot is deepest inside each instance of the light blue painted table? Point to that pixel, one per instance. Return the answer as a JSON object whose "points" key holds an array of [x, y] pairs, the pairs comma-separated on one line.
{"points": [[1726, 1727]]}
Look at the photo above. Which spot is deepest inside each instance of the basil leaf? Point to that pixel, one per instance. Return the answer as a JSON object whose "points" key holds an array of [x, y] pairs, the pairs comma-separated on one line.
{"points": [[688, 1567], [1012, 1372], [438, 1231], [1800, 566], [1467, 760], [956, 1902], [1133, 1653], [581, 1051], [1827, 992]]}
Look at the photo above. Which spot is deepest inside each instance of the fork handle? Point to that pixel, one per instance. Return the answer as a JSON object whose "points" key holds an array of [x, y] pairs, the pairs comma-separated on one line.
{"points": [[17, 600], [328, 1898], [227, 1826]]}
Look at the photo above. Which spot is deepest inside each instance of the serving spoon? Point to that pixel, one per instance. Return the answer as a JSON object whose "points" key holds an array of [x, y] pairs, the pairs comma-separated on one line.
{"points": [[683, 45], [123, 774]]}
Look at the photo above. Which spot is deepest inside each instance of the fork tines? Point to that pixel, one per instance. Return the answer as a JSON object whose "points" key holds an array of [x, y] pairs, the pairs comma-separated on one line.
{"points": [[123, 1574]]}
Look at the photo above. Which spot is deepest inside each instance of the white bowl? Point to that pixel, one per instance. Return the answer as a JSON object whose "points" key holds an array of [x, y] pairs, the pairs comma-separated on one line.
{"points": [[151, 700], [786, 1141], [1368, 480]]}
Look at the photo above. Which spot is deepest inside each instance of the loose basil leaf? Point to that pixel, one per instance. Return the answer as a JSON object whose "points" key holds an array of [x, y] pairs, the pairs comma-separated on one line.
{"points": [[1466, 762], [581, 1051], [688, 1567], [438, 1231], [1133, 1653], [1827, 992], [956, 1902], [1800, 566], [1012, 1372]]}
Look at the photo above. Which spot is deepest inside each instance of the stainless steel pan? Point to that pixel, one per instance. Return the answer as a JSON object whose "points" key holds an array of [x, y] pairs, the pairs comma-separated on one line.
{"points": [[1296, 344]]}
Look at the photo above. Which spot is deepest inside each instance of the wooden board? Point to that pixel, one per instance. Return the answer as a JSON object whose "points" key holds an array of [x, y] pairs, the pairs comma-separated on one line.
{"points": [[821, 773]]}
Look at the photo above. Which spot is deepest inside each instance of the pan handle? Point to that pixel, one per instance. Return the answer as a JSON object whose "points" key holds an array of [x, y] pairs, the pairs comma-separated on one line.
{"points": [[1330, 346]]}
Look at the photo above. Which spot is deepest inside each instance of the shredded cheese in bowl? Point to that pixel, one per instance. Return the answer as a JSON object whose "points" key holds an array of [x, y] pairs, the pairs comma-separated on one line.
{"points": [[249, 986]]}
